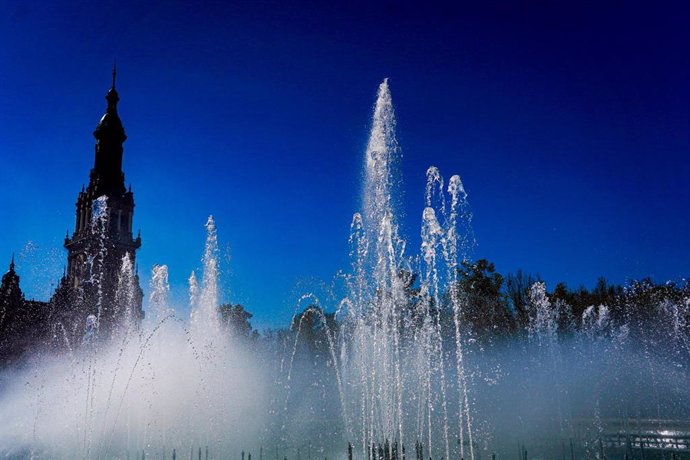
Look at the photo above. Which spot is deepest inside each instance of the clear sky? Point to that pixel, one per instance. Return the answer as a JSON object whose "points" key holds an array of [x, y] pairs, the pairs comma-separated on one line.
{"points": [[570, 126]]}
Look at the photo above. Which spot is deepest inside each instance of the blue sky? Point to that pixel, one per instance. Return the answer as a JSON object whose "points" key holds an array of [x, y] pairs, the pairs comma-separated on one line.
{"points": [[569, 124]]}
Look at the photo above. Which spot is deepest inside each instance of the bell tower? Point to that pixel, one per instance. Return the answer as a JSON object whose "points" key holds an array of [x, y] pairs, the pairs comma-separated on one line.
{"points": [[102, 235]]}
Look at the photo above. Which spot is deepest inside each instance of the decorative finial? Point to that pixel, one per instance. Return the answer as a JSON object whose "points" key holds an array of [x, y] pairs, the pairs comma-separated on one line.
{"points": [[114, 72], [112, 96], [12, 262]]}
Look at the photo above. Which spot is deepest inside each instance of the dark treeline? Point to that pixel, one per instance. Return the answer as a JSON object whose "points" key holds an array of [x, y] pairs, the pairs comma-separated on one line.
{"points": [[495, 306], [515, 333]]}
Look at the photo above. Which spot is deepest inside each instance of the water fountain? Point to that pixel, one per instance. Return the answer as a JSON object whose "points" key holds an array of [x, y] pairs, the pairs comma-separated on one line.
{"points": [[393, 351], [168, 383], [395, 366]]}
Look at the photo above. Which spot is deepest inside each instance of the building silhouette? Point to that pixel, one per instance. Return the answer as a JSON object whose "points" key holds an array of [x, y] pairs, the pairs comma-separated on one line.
{"points": [[95, 289]]}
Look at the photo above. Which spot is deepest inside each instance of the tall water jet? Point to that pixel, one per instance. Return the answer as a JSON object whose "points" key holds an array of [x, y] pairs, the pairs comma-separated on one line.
{"points": [[378, 334], [92, 330], [193, 289], [447, 241], [205, 306], [125, 296], [393, 354], [380, 161], [99, 225], [457, 248], [432, 336], [543, 321], [160, 288]]}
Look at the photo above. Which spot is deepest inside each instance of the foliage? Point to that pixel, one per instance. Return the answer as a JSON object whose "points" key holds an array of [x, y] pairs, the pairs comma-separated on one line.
{"points": [[313, 327], [485, 306], [491, 306], [236, 319], [582, 298], [517, 288]]}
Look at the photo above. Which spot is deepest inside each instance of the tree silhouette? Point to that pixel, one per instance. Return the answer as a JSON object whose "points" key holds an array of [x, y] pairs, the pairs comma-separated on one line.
{"points": [[236, 319], [485, 307]]}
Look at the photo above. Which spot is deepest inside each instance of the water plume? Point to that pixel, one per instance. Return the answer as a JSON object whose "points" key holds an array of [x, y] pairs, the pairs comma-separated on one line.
{"points": [[158, 386], [393, 352], [411, 355], [204, 311]]}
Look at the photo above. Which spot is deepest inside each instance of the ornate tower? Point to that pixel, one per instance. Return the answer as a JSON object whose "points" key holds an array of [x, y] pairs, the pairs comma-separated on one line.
{"points": [[11, 309], [102, 237], [23, 323]]}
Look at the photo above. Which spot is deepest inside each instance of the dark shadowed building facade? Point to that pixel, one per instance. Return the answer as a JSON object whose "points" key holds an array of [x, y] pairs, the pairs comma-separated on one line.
{"points": [[91, 287]]}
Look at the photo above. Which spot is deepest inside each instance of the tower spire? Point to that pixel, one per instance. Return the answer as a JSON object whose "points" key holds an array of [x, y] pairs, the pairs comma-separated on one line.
{"points": [[110, 135], [12, 262], [114, 73], [112, 96]]}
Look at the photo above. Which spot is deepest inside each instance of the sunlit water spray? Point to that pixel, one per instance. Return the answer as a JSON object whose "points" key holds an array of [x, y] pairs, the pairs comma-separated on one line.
{"points": [[159, 386], [393, 364], [393, 354]]}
